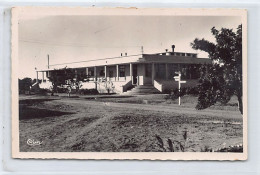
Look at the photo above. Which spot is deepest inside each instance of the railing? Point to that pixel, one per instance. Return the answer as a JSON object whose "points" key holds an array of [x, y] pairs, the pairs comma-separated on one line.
{"points": [[157, 85], [126, 86]]}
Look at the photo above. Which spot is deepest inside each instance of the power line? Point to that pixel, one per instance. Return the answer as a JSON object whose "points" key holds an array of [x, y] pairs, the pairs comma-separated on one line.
{"points": [[94, 60], [69, 44]]}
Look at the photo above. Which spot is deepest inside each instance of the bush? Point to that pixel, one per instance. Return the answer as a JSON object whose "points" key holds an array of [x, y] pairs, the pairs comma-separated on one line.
{"points": [[24, 85], [192, 91], [61, 90], [88, 91], [44, 91], [175, 93]]}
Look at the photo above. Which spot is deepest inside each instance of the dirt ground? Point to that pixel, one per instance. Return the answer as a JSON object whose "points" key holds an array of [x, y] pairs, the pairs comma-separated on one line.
{"points": [[123, 124]]}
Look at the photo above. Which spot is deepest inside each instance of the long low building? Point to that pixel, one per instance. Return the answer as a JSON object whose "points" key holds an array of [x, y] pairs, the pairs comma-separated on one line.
{"points": [[128, 71]]}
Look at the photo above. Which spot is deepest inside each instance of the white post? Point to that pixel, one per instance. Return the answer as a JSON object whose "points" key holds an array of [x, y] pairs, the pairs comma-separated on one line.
{"points": [[178, 78], [105, 70], [87, 71], [131, 72], [37, 80], [180, 89], [42, 76], [117, 72], [153, 73], [95, 76]]}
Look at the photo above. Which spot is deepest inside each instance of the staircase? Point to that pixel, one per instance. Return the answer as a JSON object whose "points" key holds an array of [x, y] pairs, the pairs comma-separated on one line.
{"points": [[142, 90]]}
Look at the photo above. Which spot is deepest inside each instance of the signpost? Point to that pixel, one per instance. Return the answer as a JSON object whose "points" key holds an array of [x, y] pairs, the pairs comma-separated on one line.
{"points": [[178, 78]]}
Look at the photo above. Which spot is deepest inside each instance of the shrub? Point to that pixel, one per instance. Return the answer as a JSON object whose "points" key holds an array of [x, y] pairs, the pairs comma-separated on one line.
{"points": [[61, 90], [174, 94], [88, 91], [24, 85], [192, 91]]}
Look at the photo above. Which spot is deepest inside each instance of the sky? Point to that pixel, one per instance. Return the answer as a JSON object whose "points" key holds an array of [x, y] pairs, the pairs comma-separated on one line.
{"points": [[79, 38]]}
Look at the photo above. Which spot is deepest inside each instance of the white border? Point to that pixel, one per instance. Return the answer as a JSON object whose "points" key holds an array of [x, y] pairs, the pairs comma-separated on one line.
{"points": [[20, 11]]}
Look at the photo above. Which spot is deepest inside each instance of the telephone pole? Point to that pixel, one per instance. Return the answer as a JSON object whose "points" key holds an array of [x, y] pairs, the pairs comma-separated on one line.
{"points": [[48, 61]]}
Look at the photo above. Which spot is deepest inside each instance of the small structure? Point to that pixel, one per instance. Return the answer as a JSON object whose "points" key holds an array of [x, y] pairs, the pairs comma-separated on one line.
{"points": [[126, 71]]}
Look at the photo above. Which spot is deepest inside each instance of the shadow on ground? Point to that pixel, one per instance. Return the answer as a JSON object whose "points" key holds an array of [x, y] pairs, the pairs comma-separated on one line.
{"points": [[30, 102], [26, 113], [104, 97]]}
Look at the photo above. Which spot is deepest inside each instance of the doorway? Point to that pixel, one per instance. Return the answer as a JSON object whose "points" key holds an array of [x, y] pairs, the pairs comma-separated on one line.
{"points": [[134, 74]]}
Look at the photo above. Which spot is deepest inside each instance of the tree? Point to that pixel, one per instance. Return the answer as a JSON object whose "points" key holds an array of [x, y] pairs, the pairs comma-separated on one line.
{"points": [[223, 79], [25, 84], [66, 77]]}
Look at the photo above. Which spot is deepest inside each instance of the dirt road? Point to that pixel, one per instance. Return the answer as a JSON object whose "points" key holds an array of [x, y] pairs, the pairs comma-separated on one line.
{"points": [[77, 124], [171, 109]]}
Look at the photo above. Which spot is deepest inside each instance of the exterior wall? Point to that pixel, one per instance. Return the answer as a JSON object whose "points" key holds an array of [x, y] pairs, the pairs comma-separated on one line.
{"points": [[147, 79], [115, 87], [88, 85], [45, 85], [140, 74], [116, 84], [127, 70], [142, 79]]}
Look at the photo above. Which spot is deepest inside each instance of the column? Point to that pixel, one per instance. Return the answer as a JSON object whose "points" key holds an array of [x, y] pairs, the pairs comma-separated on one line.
{"points": [[95, 76], [95, 73], [166, 71], [117, 72], [37, 80], [42, 76], [105, 71], [153, 73], [87, 71], [131, 72]]}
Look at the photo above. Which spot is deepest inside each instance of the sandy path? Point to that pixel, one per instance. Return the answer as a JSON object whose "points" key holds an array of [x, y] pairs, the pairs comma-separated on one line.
{"points": [[170, 109]]}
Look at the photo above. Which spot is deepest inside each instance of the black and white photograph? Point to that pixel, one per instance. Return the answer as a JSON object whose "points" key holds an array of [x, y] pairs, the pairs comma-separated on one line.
{"points": [[128, 83]]}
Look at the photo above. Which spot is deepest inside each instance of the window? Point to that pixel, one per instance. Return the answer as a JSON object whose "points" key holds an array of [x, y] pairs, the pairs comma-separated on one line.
{"points": [[91, 73], [101, 73], [121, 71], [111, 73]]}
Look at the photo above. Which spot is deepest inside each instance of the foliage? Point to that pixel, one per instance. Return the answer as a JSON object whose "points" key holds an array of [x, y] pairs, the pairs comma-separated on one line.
{"points": [[171, 145], [175, 93], [107, 84], [88, 91], [25, 84], [223, 79], [67, 77]]}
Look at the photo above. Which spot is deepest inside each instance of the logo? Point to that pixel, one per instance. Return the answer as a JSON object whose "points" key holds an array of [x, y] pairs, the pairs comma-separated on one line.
{"points": [[33, 142]]}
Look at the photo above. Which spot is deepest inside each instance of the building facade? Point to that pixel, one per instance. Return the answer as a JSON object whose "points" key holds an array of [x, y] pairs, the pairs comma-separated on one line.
{"points": [[124, 72]]}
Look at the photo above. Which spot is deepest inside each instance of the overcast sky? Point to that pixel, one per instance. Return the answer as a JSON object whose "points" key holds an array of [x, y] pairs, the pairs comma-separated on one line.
{"points": [[77, 38]]}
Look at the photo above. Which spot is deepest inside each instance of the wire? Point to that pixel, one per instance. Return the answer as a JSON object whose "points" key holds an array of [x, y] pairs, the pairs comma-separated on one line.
{"points": [[68, 44], [94, 60]]}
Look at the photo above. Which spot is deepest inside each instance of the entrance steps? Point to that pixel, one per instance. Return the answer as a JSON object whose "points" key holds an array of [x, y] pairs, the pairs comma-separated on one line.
{"points": [[142, 90]]}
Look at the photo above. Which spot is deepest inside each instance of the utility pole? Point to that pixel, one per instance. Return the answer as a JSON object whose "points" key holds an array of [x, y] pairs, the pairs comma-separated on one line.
{"points": [[48, 61], [142, 49]]}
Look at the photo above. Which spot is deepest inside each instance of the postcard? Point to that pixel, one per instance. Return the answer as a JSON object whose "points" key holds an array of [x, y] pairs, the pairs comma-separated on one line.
{"points": [[129, 83]]}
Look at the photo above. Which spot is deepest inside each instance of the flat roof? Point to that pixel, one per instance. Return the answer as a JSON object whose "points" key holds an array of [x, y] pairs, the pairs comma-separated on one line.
{"points": [[141, 58]]}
